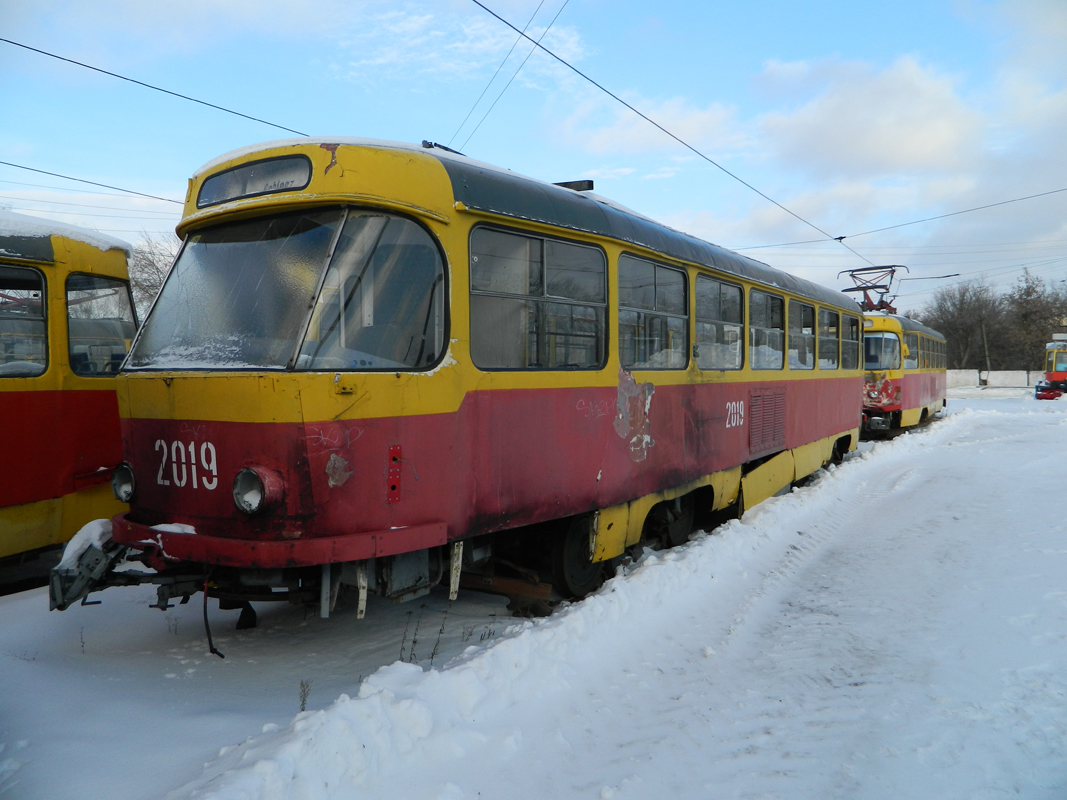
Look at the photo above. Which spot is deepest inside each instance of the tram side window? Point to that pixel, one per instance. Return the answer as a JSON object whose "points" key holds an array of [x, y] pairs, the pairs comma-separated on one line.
{"points": [[536, 303], [829, 332], [382, 303], [720, 324], [653, 316], [23, 331], [100, 324], [911, 358], [924, 352], [850, 343], [881, 351], [766, 330], [801, 335]]}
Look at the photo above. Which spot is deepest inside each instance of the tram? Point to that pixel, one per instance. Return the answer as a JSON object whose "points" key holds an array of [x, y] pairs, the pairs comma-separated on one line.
{"points": [[376, 367], [904, 382], [1054, 383], [66, 323]]}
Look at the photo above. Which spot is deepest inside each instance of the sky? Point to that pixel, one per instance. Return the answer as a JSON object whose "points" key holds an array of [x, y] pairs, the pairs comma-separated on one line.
{"points": [[854, 117]]}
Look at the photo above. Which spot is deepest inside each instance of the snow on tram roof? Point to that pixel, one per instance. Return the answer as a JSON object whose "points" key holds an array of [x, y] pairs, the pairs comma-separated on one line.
{"points": [[492, 189], [16, 229]]}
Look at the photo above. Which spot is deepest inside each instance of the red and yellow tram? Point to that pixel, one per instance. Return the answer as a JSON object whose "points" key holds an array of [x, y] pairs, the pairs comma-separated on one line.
{"points": [[1054, 383], [66, 322], [378, 366], [904, 383]]}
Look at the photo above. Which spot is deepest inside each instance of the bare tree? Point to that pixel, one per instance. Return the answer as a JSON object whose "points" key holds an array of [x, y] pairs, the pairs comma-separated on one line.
{"points": [[1035, 311], [971, 316], [152, 257]]}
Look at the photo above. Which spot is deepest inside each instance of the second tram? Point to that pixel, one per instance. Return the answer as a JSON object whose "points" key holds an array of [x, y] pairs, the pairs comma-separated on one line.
{"points": [[1054, 383], [66, 322], [904, 382]]}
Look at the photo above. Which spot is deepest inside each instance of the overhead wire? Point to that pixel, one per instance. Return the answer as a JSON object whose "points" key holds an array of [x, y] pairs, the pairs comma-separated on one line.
{"points": [[88, 214], [676, 138], [91, 183], [515, 75], [906, 224], [500, 67], [957, 213], [81, 205], [150, 86], [64, 189]]}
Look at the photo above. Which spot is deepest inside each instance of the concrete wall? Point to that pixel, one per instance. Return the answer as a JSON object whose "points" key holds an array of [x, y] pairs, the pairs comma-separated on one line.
{"points": [[961, 377], [1003, 378]]}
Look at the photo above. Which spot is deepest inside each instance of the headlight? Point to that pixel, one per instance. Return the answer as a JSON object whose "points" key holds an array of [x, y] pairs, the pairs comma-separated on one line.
{"points": [[122, 483], [248, 491], [255, 489]]}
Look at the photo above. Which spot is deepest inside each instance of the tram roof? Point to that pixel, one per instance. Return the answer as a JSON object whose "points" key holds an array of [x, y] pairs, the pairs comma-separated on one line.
{"points": [[908, 324], [30, 238], [484, 187]]}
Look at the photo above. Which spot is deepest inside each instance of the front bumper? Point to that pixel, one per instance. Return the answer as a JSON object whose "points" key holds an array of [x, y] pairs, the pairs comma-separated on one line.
{"points": [[173, 546]]}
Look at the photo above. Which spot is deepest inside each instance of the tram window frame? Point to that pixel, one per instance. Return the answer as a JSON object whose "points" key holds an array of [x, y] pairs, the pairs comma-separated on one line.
{"points": [[833, 334], [42, 320], [96, 363], [850, 347], [801, 325], [534, 306], [354, 275], [653, 308], [245, 173], [911, 342], [766, 314], [710, 318]]}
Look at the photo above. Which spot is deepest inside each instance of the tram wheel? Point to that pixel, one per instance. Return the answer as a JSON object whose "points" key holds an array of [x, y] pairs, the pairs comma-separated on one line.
{"points": [[574, 574], [672, 521]]}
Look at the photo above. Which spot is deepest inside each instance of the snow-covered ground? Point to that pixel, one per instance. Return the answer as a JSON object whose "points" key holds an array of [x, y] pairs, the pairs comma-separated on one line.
{"points": [[897, 629]]}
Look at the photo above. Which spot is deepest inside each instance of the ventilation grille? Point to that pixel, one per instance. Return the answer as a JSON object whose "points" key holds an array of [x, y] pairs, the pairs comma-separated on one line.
{"points": [[766, 422]]}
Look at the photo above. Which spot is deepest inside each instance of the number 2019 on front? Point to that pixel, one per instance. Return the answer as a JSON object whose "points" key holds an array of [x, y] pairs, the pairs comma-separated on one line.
{"points": [[184, 465]]}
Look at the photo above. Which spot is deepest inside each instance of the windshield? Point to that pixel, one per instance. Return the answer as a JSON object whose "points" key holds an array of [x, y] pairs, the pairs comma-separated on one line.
{"points": [[238, 295], [881, 351], [1061, 361]]}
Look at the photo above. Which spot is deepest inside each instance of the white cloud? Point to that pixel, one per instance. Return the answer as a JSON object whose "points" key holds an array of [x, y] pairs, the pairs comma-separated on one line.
{"points": [[904, 119], [604, 127]]}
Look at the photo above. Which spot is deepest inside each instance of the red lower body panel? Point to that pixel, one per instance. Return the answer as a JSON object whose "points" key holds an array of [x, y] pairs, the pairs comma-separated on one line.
{"points": [[357, 488]]}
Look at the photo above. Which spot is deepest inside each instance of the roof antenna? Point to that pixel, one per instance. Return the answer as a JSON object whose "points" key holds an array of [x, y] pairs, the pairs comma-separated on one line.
{"points": [[431, 145]]}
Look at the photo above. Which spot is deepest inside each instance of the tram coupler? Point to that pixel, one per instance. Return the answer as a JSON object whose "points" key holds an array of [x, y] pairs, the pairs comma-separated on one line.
{"points": [[94, 571], [876, 423], [68, 585]]}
